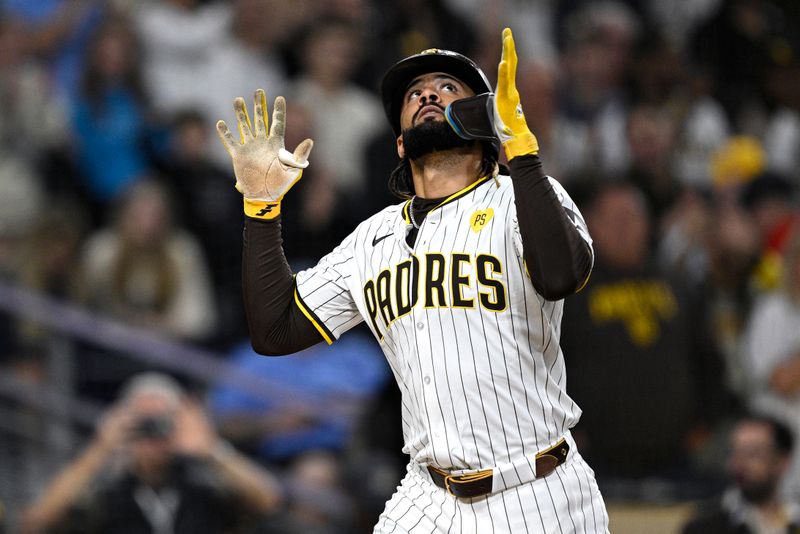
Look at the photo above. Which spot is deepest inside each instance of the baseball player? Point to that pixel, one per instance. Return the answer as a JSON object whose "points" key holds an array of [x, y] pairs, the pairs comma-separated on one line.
{"points": [[461, 283]]}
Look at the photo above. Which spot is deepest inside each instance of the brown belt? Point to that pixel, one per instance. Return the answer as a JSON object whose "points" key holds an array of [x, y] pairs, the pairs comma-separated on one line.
{"points": [[480, 482]]}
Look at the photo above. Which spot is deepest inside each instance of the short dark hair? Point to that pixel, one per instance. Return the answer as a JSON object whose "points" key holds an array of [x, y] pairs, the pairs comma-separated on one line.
{"points": [[782, 435], [768, 186], [189, 117]]}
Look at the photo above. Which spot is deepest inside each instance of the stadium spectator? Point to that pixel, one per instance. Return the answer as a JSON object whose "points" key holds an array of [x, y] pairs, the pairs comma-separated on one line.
{"points": [[144, 271], [178, 38], [591, 111], [109, 119], [344, 116], [51, 259], [771, 351], [725, 281], [248, 51], [58, 32], [769, 199], [637, 345], [155, 465], [733, 45], [210, 209], [315, 220], [781, 81], [757, 463], [21, 192], [34, 117], [651, 133], [713, 242]]}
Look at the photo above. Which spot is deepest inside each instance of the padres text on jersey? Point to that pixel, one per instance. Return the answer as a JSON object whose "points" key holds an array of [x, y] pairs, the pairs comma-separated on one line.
{"points": [[473, 346]]}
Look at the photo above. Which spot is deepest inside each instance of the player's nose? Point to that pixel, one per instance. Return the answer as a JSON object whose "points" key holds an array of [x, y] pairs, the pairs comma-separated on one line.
{"points": [[428, 95]]}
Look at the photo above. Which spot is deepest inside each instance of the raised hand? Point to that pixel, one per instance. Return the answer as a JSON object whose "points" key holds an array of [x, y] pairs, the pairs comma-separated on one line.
{"points": [[509, 121], [264, 169]]}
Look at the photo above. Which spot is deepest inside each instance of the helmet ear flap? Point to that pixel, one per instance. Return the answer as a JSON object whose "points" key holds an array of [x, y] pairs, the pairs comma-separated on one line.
{"points": [[473, 118]]}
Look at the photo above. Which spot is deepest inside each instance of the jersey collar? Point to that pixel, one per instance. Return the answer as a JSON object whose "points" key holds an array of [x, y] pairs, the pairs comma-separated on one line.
{"points": [[451, 198]]}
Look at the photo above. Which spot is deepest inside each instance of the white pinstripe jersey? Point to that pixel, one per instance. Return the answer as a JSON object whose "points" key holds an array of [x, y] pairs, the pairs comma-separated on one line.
{"points": [[473, 347]]}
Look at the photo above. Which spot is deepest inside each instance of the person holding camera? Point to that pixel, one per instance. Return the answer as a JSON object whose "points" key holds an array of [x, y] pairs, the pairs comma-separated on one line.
{"points": [[154, 466]]}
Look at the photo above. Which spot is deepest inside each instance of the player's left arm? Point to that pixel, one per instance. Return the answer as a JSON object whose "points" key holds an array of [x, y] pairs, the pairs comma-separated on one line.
{"points": [[556, 244]]}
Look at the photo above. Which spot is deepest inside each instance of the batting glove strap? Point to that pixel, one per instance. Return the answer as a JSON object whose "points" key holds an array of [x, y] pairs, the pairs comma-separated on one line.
{"points": [[262, 209], [521, 145]]}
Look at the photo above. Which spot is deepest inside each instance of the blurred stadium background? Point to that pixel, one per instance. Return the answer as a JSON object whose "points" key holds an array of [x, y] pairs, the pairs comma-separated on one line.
{"points": [[120, 229]]}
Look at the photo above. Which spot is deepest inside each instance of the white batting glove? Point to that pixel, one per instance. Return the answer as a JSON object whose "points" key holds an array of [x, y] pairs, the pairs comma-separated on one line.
{"points": [[264, 169]]}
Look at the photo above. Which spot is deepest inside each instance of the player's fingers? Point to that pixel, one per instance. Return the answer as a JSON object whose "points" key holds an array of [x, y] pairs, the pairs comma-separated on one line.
{"points": [[303, 150], [509, 50], [260, 113], [508, 62], [502, 69], [504, 39], [278, 127], [242, 119], [226, 136], [502, 80]]}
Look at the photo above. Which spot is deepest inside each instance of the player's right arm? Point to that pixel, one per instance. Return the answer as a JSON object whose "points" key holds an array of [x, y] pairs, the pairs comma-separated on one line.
{"points": [[265, 171]]}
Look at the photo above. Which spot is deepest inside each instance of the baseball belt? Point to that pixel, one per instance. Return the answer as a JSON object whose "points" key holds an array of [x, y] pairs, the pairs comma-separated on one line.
{"points": [[480, 483]]}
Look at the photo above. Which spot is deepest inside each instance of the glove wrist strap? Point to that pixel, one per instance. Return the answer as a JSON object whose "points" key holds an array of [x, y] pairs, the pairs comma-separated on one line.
{"points": [[262, 209], [521, 145]]}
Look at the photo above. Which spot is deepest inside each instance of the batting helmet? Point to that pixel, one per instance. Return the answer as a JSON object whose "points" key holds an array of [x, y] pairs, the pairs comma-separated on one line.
{"points": [[401, 74]]}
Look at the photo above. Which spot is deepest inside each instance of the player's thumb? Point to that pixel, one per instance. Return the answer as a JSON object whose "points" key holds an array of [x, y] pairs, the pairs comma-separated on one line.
{"points": [[302, 152], [298, 159]]}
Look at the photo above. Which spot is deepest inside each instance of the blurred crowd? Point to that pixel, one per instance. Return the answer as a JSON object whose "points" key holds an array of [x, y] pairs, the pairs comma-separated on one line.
{"points": [[675, 126]]}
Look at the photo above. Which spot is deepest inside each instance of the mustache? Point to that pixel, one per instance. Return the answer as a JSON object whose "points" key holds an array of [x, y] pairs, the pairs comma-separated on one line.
{"points": [[414, 118], [431, 136]]}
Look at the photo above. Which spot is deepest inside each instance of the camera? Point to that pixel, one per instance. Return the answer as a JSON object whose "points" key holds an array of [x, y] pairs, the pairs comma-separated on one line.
{"points": [[160, 426]]}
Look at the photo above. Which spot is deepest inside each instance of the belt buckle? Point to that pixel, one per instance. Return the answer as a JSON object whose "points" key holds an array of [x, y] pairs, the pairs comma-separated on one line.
{"points": [[447, 480], [551, 458], [470, 478]]}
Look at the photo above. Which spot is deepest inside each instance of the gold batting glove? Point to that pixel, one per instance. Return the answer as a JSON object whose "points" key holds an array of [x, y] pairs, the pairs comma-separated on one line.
{"points": [[264, 169], [510, 123]]}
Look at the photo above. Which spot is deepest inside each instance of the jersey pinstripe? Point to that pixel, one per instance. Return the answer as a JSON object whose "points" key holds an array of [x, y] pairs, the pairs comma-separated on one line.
{"points": [[566, 502], [473, 347]]}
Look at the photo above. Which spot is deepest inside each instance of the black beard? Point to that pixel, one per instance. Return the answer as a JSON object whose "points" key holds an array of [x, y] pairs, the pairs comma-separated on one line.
{"points": [[431, 136], [758, 493]]}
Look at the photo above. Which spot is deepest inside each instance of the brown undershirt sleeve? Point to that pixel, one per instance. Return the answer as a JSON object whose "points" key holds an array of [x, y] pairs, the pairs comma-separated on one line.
{"points": [[557, 257], [277, 325]]}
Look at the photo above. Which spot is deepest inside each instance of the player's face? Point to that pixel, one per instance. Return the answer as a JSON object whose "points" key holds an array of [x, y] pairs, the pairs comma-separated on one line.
{"points": [[425, 100], [754, 464], [427, 97]]}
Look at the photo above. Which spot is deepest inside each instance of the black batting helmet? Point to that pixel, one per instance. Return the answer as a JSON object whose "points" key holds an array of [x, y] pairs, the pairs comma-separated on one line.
{"points": [[401, 74]]}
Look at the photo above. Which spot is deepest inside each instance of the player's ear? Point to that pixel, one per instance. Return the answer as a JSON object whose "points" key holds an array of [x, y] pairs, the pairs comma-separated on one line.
{"points": [[401, 151]]}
